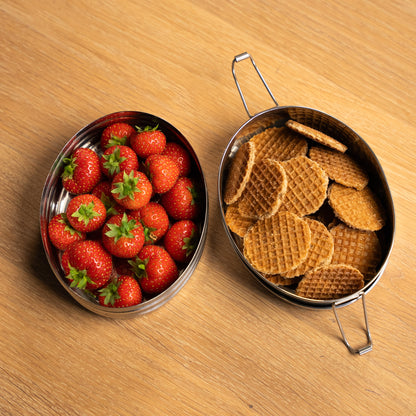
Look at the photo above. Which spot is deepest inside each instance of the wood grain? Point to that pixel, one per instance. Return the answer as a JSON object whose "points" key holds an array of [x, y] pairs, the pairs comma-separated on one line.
{"points": [[224, 345]]}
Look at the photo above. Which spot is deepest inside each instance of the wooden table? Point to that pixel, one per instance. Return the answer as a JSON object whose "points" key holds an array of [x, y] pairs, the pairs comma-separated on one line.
{"points": [[224, 345]]}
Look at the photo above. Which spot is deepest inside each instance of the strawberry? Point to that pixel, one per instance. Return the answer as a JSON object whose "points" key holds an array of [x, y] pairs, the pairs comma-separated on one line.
{"points": [[162, 171], [123, 236], [81, 171], [131, 190], [181, 202], [155, 269], [118, 158], [120, 293], [61, 233], [116, 134], [86, 213], [87, 265], [180, 155], [180, 240], [148, 141], [103, 192], [154, 219]]}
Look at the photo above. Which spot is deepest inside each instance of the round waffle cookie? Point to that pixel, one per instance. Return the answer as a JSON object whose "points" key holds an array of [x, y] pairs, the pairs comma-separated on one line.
{"points": [[320, 252], [358, 209], [357, 248], [278, 243], [316, 135], [264, 190], [340, 167], [279, 143], [237, 223], [239, 172], [330, 282], [307, 185]]}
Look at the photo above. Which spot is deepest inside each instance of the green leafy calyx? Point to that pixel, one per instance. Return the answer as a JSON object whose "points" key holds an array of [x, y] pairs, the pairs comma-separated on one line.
{"points": [[123, 230], [113, 161], [85, 213], [79, 278], [110, 292], [147, 128], [127, 187]]}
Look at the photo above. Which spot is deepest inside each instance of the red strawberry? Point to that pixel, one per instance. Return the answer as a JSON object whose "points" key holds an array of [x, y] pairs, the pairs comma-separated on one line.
{"points": [[148, 141], [103, 192], [81, 172], [154, 219], [61, 233], [87, 265], [123, 236], [117, 133], [163, 172], [181, 202], [131, 190], [181, 239], [180, 155], [86, 213], [155, 268], [118, 158], [120, 293]]}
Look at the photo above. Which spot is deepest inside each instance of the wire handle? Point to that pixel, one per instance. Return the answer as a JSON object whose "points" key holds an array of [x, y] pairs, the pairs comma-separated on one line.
{"points": [[240, 58], [366, 348]]}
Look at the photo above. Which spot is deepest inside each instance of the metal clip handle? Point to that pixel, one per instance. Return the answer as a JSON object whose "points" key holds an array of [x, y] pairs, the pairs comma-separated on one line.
{"points": [[366, 348], [240, 58]]}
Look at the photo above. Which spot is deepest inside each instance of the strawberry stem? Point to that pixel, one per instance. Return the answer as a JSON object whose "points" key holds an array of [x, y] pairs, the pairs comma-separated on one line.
{"points": [[147, 128], [79, 278], [69, 168], [127, 187], [123, 230], [113, 161], [85, 213], [110, 292]]}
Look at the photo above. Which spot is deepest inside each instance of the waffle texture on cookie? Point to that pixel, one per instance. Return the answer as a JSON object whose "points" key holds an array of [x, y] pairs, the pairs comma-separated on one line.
{"points": [[316, 136], [264, 191], [307, 185], [330, 282], [237, 223], [357, 248], [358, 209], [278, 243], [239, 173], [340, 167], [320, 251], [279, 143]]}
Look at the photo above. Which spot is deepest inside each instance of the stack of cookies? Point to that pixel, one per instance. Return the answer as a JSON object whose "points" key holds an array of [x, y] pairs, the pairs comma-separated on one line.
{"points": [[304, 211]]}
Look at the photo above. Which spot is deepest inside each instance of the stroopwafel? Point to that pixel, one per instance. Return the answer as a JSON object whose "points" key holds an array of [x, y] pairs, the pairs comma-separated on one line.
{"points": [[330, 282], [358, 209], [307, 185], [320, 251], [237, 223], [264, 191], [340, 167], [357, 248], [316, 135], [239, 173], [279, 143], [278, 243]]}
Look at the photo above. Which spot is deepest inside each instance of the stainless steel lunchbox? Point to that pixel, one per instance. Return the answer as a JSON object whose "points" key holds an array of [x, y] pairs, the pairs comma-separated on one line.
{"points": [[55, 199], [361, 152]]}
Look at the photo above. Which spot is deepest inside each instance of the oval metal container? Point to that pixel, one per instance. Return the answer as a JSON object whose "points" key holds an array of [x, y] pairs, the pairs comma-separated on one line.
{"points": [[55, 199], [357, 148]]}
